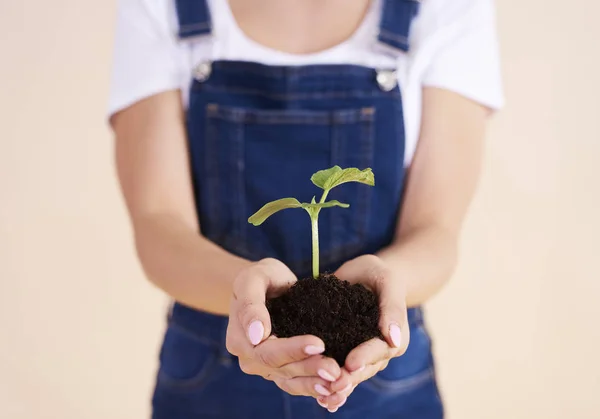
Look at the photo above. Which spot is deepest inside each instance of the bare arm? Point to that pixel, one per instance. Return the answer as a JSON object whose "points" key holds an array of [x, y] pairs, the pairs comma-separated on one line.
{"points": [[153, 168], [441, 184]]}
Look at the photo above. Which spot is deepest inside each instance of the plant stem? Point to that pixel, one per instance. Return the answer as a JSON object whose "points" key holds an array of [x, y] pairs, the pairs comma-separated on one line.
{"points": [[314, 218], [324, 196], [315, 243]]}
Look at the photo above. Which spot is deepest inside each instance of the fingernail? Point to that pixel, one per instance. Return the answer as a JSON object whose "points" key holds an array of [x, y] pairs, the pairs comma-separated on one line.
{"points": [[322, 390], [333, 410], [323, 405], [395, 335], [256, 330], [314, 350], [325, 375]]}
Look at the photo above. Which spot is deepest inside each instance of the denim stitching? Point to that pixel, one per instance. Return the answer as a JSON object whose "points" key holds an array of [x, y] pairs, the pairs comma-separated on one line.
{"points": [[393, 37], [339, 251], [239, 189], [297, 96], [404, 385], [367, 154], [245, 116], [360, 219], [194, 26], [195, 383], [195, 336], [303, 71], [200, 377], [211, 161], [337, 158]]}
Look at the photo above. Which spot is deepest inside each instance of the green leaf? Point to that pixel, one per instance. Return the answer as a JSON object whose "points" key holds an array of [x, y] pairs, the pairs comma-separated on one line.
{"points": [[321, 176], [328, 204], [335, 176], [313, 208], [271, 208]]}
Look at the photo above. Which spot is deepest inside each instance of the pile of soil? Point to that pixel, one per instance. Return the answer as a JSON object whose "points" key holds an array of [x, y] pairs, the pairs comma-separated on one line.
{"points": [[341, 314]]}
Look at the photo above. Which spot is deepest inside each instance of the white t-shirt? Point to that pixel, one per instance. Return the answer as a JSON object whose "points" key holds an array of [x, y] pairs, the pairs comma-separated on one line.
{"points": [[453, 45]]}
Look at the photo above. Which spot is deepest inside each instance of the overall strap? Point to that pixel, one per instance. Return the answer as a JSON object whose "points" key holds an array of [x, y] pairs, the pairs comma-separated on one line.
{"points": [[194, 18], [396, 18]]}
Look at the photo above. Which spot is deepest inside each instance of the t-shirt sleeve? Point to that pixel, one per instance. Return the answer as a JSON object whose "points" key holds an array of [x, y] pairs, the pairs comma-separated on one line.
{"points": [[146, 57], [464, 51]]}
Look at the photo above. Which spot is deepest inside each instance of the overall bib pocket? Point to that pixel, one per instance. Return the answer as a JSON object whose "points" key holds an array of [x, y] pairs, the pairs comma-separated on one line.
{"points": [[408, 372], [253, 156], [187, 362]]}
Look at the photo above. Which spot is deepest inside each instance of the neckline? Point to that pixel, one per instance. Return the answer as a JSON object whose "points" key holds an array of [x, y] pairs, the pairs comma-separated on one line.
{"points": [[359, 32]]}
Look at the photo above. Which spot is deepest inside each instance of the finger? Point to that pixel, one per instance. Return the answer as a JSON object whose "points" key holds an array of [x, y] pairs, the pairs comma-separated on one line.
{"points": [[248, 305], [321, 366], [373, 273], [336, 407], [304, 386], [333, 402], [356, 378], [359, 269], [236, 341], [393, 321], [332, 408], [340, 390], [281, 278], [369, 371], [249, 295], [343, 384], [367, 353], [277, 352]]}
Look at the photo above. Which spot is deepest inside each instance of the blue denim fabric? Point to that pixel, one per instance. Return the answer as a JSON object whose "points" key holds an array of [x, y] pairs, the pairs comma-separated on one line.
{"points": [[199, 379], [394, 29], [256, 134], [193, 17]]}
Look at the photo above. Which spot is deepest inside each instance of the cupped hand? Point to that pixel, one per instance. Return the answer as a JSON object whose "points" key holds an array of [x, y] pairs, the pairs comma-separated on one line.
{"points": [[295, 364], [372, 356]]}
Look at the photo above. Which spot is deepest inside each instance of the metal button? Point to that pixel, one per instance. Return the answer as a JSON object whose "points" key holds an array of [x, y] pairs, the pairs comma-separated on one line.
{"points": [[387, 80], [202, 71]]}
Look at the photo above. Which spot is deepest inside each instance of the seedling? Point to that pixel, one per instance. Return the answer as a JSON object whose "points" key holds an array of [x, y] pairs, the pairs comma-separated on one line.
{"points": [[326, 180]]}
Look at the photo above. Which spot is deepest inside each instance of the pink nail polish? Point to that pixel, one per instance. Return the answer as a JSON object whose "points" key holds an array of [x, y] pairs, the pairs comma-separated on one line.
{"points": [[314, 350], [395, 335], [332, 410], [322, 390], [323, 405], [341, 404], [325, 375], [256, 331]]}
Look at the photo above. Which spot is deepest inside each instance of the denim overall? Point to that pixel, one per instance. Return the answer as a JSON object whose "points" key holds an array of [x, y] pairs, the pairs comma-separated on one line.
{"points": [[257, 133]]}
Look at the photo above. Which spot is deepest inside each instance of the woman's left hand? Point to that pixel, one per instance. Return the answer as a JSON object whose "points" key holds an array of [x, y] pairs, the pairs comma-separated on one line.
{"points": [[369, 358]]}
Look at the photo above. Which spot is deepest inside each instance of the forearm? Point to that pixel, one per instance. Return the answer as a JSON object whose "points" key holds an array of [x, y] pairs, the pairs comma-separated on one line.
{"points": [[188, 267], [425, 258], [440, 186], [153, 167]]}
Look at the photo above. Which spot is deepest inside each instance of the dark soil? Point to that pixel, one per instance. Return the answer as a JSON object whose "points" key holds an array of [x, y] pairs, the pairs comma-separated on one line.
{"points": [[343, 315]]}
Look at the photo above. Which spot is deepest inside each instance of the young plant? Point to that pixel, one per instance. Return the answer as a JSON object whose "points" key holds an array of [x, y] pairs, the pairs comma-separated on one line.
{"points": [[326, 180]]}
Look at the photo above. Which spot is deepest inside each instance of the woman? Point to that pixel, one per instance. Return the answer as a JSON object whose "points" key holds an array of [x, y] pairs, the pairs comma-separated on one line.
{"points": [[221, 106]]}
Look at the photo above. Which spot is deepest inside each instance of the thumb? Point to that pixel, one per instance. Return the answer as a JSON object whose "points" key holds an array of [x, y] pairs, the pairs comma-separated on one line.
{"points": [[249, 297], [249, 294], [393, 321]]}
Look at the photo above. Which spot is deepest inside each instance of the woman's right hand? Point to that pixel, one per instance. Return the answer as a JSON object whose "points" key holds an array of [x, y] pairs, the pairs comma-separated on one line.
{"points": [[295, 364]]}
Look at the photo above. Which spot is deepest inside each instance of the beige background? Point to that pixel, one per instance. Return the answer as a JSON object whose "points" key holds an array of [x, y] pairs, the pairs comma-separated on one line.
{"points": [[517, 329]]}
